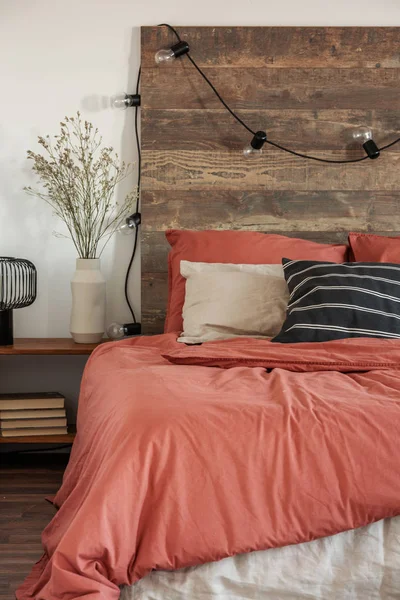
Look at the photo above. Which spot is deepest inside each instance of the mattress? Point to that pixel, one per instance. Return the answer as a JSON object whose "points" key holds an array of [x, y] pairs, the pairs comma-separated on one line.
{"points": [[362, 564]]}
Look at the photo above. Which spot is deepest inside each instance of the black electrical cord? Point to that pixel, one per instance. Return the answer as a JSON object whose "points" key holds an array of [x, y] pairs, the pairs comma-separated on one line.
{"points": [[309, 157], [139, 154], [234, 115], [389, 145], [274, 144]]}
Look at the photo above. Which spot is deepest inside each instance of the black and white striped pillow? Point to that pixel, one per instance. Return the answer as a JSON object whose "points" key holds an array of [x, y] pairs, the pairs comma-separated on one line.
{"points": [[331, 301]]}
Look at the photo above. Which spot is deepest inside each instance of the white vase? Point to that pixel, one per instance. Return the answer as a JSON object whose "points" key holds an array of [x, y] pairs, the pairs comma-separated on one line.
{"points": [[88, 302]]}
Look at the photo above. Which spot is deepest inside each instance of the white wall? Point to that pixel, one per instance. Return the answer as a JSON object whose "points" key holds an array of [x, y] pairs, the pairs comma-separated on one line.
{"points": [[57, 57]]}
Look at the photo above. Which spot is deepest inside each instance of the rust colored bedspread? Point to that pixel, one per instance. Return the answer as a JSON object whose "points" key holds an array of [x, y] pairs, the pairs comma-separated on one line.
{"points": [[179, 462]]}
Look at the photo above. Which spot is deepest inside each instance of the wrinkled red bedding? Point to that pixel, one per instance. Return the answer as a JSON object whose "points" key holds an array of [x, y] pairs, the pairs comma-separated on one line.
{"points": [[178, 462]]}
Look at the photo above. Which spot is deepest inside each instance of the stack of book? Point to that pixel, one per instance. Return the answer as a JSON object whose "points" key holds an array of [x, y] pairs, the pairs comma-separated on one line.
{"points": [[32, 414]]}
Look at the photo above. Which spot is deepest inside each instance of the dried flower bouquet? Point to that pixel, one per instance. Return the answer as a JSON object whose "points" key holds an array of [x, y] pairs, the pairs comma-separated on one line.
{"points": [[79, 178]]}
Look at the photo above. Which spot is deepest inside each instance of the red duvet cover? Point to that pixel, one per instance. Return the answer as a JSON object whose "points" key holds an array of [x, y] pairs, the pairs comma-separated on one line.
{"points": [[186, 455]]}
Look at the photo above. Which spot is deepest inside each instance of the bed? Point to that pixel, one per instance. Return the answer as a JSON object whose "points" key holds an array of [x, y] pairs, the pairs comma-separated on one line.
{"points": [[243, 468], [187, 455]]}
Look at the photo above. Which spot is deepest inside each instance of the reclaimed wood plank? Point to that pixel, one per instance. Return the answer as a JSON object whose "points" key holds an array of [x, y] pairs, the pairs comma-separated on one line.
{"points": [[269, 211], [210, 130], [281, 89], [154, 300], [280, 47], [198, 169]]}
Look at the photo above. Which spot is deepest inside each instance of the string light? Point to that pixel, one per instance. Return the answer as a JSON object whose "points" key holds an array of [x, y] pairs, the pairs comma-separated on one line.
{"points": [[256, 145], [166, 55], [123, 101], [130, 224], [362, 134], [116, 331]]}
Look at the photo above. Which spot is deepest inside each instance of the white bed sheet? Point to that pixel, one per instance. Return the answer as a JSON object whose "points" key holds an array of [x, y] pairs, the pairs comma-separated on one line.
{"points": [[363, 564]]}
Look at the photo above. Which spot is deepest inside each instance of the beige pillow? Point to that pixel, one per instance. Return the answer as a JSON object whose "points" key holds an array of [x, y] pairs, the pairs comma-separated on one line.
{"points": [[224, 301]]}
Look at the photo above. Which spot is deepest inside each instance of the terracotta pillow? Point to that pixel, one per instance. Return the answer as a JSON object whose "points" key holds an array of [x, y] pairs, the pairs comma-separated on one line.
{"points": [[249, 247], [367, 247]]}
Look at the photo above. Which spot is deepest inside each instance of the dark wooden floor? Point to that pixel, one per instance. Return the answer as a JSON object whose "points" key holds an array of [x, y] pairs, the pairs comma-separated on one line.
{"points": [[25, 480]]}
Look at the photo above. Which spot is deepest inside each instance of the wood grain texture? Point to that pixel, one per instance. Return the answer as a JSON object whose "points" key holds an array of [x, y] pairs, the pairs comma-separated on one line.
{"points": [[154, 298], [322, 212], [280, 89], [212, 130], [281, 47], [25, 481], [308, 87], [48, 346], [198, 169]]}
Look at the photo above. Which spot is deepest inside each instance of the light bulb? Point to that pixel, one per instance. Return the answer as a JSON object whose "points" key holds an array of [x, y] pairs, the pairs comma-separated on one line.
{"points": [[363, 135], [130, 224], [168, 55], [165, 55], [116, 331], [249, 151], [123, 101], [256, 144], [126, 228], [120, 101]]}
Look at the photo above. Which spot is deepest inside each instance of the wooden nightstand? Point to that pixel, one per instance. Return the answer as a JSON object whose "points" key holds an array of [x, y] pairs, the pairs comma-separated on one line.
{"points": [[42, 347]]}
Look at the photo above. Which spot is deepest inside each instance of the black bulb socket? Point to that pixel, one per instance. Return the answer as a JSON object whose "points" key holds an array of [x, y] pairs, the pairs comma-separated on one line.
{"points": [[371, 149], [259, 139], [134, 220], [180, 49], [132, 328], [132, 100]]}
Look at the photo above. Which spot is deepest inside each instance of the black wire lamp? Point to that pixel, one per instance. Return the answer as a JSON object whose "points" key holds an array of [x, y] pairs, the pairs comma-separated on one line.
{"points": [[18, 285]]}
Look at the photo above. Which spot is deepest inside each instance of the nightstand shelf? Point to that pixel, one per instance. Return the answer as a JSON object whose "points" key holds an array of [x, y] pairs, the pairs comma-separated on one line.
{"points": [[46, 347]]}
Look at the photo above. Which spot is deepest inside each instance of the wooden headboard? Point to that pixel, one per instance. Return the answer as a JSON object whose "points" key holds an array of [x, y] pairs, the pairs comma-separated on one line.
{"points": [[307, 87]]}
